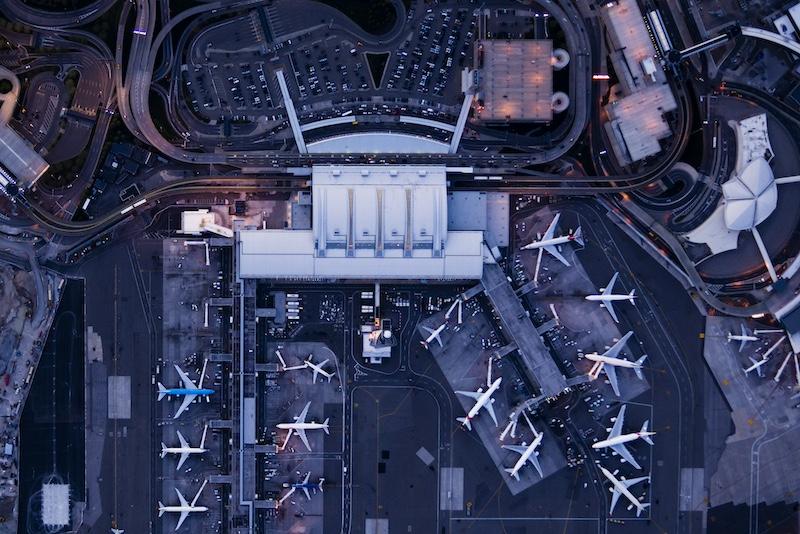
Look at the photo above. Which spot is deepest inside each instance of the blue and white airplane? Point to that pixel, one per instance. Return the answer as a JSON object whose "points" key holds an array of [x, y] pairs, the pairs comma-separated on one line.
{"points": [[189, 391], [305, 485]]}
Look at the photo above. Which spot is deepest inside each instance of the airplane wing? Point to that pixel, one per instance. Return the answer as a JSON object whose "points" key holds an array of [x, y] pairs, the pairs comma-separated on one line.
{"points": [[616, 430], [615, 493], [471, 394], [308, 495], [610, 287], [181, 499], [490, 409], [614, 351], [551, 230], [187, 382], [519, 449], [184, 443], [534, 459], [610, 307], [623, 451], [744, 338], [183, 458], [316, 372], [611, 373], [302, 417], [187, 400], [302, 433], [182, 518], [553, 251]]}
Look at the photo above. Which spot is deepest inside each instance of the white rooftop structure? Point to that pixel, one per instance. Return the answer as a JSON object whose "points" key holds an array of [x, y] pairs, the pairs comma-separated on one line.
{"points": [[377, 143], [195, 222], [750, 197], [369, 222], [19, 159], [55, 505]]}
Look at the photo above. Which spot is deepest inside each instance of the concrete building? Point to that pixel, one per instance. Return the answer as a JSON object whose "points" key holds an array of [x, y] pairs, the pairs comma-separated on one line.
{"points": [[369, 222], [515, 79], [636, 122]]}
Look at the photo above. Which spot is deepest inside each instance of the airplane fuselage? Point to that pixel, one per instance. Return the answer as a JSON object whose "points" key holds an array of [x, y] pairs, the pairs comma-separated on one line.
{"points": [[616, 362], [301, 426], [181, 509], [623, 438], [525, 455], [619, 486], [182, 450], [614, 298], [183, 391], [549, 242], [485, 397]]}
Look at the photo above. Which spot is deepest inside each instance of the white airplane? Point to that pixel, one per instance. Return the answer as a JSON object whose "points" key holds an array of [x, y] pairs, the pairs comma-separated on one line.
{"points": [[527, 454], [184, 508], [317, 368], [549, 243], [299, 427], [117, 530], [620, 487], [434, 334], [616, 439], [607, 297], [185, 449], [189, 391], [756, 366], [483, 399], [744, 338], [609, 361]]}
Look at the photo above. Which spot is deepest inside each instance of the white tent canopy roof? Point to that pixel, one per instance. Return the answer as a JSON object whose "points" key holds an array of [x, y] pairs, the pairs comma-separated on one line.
{"points": [[751, 196]]}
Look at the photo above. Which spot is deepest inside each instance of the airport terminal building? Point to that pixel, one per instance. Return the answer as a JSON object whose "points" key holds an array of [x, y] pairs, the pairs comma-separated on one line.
{"points": [[369, 222]]}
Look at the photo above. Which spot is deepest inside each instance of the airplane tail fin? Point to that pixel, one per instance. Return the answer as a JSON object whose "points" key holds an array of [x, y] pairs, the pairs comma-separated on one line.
{"points": [[641, 508], [162, 391], [464, 421], [163, 449], [511, 472], [320, 484], [647, 438], [638, 368], [632, 296], [160, 508], [578, 235], [325, 426]]}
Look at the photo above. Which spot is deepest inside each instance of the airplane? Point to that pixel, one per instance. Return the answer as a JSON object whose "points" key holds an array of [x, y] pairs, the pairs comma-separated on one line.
{"points": [[189, 391], [756, 366], [550, 243], [434, 334], [318, 369], [483, 399], [620, 487], [185, 449], [299, 427], [527, 454], [607, 297], [184, 508], [305, 485], [117, 530], [609, 361], [744, 338], [616, 439]]}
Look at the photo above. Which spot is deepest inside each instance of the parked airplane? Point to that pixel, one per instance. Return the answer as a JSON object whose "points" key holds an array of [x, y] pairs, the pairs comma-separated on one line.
{"points": [[184, 508], [607, 297], [185, 449], [434, 334], [744, 338], [117, 530], [609, 361], [756, 366], [189, 391], [483, 399], [527, 453], [620, 487], [317, 368], [551, 244], [299, 427], [616, 439], [305, 485]]}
